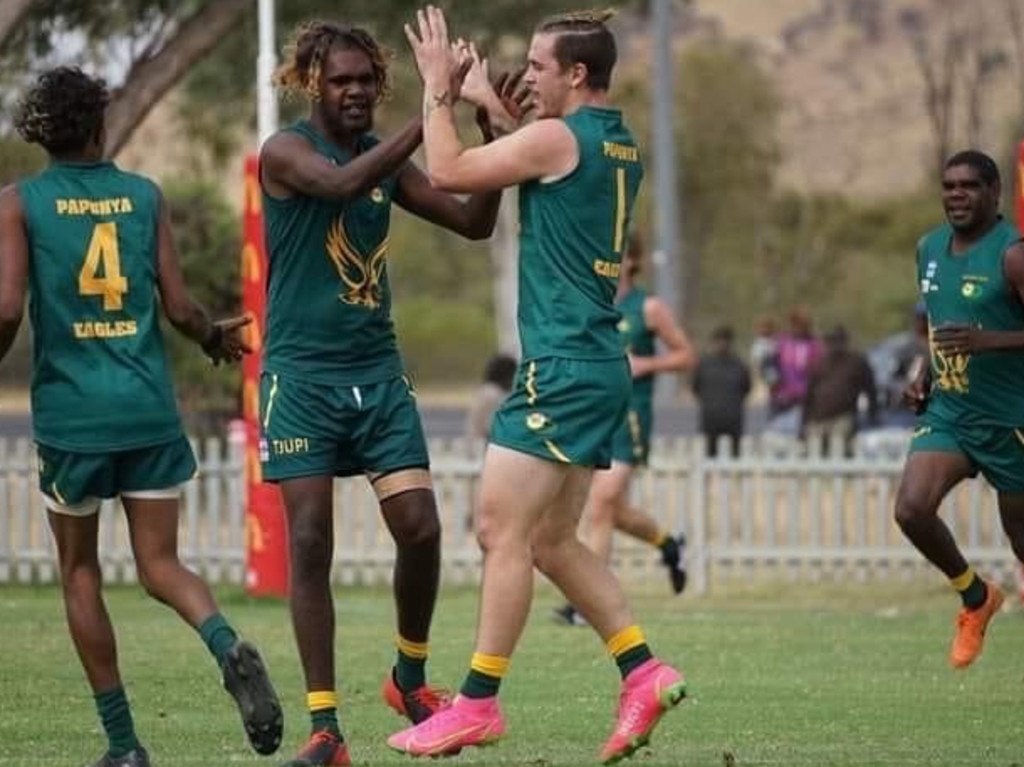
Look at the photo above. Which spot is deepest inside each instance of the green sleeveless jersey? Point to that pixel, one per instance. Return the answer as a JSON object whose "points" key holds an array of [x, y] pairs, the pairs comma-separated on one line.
{"points": [[328, 298], [572, 233], [637, 338], [100, 375], [984, 389]]}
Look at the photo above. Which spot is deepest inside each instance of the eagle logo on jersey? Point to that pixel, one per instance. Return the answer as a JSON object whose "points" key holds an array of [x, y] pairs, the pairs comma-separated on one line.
{"points": [[361, 274], [951, 371]]}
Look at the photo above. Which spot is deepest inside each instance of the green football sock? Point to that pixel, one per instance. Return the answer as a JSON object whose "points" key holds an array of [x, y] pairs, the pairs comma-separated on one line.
{"points": [[485, 675], [219, 637], [323, 711], [116, 716], [972, 589], [410, 664]]}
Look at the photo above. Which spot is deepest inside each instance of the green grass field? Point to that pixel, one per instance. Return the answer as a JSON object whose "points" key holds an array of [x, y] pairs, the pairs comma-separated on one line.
{"points": [[804, 676]]}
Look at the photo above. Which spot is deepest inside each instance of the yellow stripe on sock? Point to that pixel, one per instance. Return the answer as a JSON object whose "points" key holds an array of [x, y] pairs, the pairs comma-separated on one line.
{"points": [[659, 539], [961, 582], [627, 639], [318, 701], [492, 665], [411, 649]]}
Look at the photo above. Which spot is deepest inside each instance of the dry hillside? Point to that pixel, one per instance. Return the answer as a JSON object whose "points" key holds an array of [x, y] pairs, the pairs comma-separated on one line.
{"points": [[855, 117]]}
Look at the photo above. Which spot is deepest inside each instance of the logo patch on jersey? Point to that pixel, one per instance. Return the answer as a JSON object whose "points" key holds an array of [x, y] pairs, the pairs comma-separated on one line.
{"points": [[377, 195], [970, 290], [623, 325], [361, 274]]}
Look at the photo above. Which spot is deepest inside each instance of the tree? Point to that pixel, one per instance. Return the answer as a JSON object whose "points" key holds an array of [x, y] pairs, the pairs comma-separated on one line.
{"points": [[726, 110], [954, 55], [208, 241], [12, 13], [159, 40]]}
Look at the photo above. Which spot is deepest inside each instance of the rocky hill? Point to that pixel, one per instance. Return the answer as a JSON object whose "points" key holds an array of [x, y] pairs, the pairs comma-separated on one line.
{"points": [[856, 115]]}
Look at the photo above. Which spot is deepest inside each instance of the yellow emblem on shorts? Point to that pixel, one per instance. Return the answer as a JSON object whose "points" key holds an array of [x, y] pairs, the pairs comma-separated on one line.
{"points": [[377, 194], [536, 421]]}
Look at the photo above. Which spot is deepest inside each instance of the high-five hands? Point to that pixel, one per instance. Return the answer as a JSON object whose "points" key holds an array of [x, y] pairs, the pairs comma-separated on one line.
{"points": [[451, 70], [436, 59]]}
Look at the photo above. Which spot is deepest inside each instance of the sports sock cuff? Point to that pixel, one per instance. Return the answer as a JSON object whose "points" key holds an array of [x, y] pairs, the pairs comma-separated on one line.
{"points": [[625, 640], [417, 650], [492, 665], [321, 699], [961, 582]]}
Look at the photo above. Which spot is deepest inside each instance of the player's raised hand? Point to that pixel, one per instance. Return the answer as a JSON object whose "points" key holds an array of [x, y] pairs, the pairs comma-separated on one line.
{"points": [[226, 343], [505, 107], [476, 87], [435, 59], [515, 97]]}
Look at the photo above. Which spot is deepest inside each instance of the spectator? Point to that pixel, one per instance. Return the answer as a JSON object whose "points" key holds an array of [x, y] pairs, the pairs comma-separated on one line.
{"points": [[796, 352], [497, 383], [499, 375], [721, 384], [762, 351], [833, 390]]}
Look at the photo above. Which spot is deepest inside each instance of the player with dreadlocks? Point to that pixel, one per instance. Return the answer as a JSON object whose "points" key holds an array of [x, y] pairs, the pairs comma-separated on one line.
{"points": [[334, 397], [578, 170], [92, 246]]}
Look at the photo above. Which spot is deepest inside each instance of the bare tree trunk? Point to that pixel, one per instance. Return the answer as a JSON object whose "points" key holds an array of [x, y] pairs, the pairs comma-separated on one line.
{"points": [[149, 79], [11, 14], [938, 68], [505, 264], [1016, 17]]}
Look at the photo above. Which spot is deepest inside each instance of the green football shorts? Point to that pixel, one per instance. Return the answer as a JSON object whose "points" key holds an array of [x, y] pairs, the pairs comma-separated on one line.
{"points": [[74, 483], [996, 451], [632, 440], [310, 429], [565, 410]]}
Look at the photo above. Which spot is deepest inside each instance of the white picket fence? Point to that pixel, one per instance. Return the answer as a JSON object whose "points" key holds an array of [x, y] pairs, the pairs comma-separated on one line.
{"points": [[776, 509]]}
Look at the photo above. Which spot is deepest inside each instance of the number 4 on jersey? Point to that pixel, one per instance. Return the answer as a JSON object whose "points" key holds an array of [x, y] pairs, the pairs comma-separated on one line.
{"points": [[103, 251]]}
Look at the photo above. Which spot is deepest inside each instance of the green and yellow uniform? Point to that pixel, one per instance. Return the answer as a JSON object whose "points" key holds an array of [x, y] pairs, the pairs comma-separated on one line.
{"points": [[976, 406], [632, 441], [334, 398], [104, 413], [572, 388]]}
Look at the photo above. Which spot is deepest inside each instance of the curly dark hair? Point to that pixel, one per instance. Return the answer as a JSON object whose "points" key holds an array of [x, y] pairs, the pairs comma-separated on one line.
{"points": [[63, 111], [311, 42]]}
